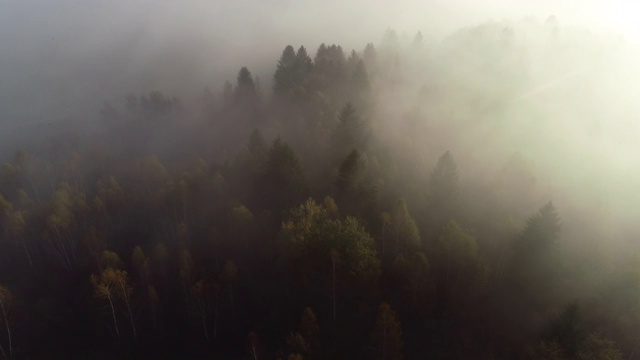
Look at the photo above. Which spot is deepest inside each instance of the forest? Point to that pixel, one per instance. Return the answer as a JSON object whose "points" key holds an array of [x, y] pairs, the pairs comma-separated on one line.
{"points": [[374, 203]]}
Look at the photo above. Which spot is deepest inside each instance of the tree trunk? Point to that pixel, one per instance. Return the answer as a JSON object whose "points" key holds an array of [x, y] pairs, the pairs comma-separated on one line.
{"points": [[333, 263], [215, 321], [26, 250], [133, 325], [397, 241], [384, 342], [154, 317], [233, 311], [383, 242], [113, 313], [204, 326], [6, 323]]}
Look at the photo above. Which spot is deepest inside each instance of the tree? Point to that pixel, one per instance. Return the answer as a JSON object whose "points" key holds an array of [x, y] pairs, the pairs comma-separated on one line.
{"points": [[154, 304], [355, 192], [61, 222], [141, 264], [541, 232], [303, 65], [229, 275], [567, 329], [387, 334], [283, 183], [351, 132], [187, 275], [311, 241], [330, 62], [245, 92], [160, 264], [110, 259], [258, 147], [404, 228], [227, 93], [14, 229], [444, 182], [597, 347], [5, 300], [124, 291], [459, 261], [292, 71], [241, 219], [306, 340], [114, 285], [360, 83], [411, 274], [297, 344], [536, 261], [369, 56], [284, 77], [309, 329], [95, 244], [254, 345], [203, 294], [351, 177], [385, 220], [335, 257], [548, 351], [104, 289]]}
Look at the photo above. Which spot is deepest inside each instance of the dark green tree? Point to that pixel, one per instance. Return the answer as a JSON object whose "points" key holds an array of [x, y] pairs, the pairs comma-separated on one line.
{"points": [[245, 92], [350, 133], [403, 228], [355, 190], [282, 183], [284, 77], [568, 330], [536, 263], [444, 180], [387, 334]]}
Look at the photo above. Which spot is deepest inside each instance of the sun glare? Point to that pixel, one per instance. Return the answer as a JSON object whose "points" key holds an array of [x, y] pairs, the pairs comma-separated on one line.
{"points": [[625, 15]]}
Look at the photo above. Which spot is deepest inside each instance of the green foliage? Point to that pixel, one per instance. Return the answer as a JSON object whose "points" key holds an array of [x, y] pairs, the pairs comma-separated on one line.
{"points": [[548, 351], [403, 227], [310, 235], [283, 182], [258, 146], [457, 247], [568, 330], [597, 347], [352, 176], [536, 262], [330, 62], [110, 259], [292, 70], [355, 191], [387, 334], [351, 132], [284, 75], [541, 233]]}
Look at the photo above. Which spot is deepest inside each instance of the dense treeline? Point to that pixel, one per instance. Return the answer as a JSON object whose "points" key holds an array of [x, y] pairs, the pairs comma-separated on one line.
{"points": [[285, 224]]}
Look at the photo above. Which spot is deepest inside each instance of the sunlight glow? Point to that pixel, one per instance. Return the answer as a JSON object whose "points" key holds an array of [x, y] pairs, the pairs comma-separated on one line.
{"points": [[626, 16]]}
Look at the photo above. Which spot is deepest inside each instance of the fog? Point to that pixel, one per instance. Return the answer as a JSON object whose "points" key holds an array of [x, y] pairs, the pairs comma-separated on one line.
{"points": [[537, 102], [98, 50]]}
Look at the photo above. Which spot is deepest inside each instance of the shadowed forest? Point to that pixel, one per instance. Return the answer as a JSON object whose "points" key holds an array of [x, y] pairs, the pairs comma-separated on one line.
{"points": [[403, 200]]}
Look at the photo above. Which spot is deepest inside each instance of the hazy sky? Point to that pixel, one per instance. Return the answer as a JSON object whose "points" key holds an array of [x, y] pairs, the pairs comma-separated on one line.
{"points": [[61, 55]]}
